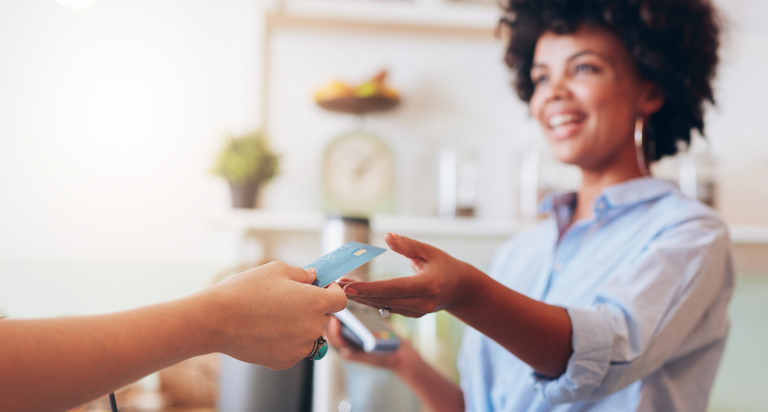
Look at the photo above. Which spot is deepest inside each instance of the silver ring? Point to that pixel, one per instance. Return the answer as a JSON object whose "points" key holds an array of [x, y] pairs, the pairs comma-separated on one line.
{"points": [[319, 350], [384, 311]]}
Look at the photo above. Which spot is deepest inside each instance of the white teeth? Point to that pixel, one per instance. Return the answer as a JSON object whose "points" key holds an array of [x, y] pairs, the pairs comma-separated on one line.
{"points": [[561, 119]]}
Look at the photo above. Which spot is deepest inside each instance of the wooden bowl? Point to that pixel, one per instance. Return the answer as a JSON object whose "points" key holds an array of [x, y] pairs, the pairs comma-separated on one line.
{"points": [[359, 105]]}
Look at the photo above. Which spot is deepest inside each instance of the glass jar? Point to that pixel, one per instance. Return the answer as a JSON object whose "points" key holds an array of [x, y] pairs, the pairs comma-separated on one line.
{"points": [[458, 182], [697, 173]]}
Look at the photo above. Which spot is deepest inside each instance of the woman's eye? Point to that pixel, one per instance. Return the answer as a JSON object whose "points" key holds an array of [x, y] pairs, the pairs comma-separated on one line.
{"points": [[539, 79], [586, 68]]}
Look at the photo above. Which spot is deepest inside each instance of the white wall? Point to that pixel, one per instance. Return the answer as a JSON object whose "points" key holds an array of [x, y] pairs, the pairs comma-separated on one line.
{"points": [[456, 91], [109, 118], [735, 125]]}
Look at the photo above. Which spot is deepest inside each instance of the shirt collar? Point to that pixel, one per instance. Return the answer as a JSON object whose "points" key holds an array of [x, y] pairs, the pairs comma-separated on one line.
{"points": [[556, 200], [622, 194]]}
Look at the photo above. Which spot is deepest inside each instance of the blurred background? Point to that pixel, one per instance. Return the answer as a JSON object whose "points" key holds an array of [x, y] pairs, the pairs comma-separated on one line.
{"points": [[112, 113]]}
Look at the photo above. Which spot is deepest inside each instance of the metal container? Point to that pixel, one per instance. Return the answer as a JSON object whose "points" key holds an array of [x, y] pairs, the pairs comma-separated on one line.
{"points": [[329, 376], [244, 387]]}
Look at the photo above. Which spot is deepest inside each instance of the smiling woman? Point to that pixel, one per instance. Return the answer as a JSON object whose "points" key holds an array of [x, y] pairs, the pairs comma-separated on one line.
{"points": [[617, 302]]}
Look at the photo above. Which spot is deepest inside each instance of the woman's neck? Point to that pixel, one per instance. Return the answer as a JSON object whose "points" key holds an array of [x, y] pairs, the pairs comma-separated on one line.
{"points": [[619, 168]]}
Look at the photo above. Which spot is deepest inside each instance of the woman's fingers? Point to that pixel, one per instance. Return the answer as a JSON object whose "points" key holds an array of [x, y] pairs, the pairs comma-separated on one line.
{"points": [[408, 247], [403, 307], [345, 279], [333, 335], [352, 353], [408, 286]]}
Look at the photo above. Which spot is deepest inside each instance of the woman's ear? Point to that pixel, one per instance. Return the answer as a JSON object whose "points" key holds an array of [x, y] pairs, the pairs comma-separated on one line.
{"points": [[652, 99]]}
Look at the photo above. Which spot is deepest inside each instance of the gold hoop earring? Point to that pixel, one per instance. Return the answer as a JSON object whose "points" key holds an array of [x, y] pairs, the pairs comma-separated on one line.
{"points": [[641, 146]]}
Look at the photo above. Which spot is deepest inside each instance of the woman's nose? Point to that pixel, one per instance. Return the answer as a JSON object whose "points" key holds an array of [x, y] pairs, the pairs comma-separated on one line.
{"points": [[558, 89]]}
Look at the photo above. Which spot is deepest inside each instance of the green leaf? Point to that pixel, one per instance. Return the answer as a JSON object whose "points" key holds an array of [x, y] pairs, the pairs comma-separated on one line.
{"points": [[246, 158]]}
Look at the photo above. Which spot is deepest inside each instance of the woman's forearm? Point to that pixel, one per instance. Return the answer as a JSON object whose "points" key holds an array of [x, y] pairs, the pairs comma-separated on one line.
{"points": [[537, 333], [57, 364], [439, 393]]}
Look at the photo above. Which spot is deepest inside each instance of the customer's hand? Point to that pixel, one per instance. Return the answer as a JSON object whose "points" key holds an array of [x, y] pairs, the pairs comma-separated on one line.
{"points": [[439, 281], [271, 315]]}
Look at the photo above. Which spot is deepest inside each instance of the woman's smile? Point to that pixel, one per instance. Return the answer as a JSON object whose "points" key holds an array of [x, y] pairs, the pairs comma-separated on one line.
{"points": [[562, 125]]}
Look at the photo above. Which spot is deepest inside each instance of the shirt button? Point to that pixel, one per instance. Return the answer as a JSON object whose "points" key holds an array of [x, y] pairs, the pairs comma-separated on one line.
{"points": [[558, 266], [600, 205]]}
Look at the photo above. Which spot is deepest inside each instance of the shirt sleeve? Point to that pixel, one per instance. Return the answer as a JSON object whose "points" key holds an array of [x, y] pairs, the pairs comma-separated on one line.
{"points": [[647, 314]]}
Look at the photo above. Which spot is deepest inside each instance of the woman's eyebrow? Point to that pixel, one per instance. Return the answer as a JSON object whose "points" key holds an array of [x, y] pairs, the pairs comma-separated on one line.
{"points": [[537, 65], [588, 52]]}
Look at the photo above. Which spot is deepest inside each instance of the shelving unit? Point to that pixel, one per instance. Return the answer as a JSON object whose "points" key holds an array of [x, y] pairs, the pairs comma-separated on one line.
{"points": [[311, 222], [749, 235], [461, 16]]}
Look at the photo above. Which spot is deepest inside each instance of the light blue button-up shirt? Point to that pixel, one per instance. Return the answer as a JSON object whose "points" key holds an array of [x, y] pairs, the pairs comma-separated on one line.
{"points": [[646, 283]]}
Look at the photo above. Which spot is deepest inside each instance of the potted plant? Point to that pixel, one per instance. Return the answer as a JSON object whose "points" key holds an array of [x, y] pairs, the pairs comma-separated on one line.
{"points": [[247, 162]]}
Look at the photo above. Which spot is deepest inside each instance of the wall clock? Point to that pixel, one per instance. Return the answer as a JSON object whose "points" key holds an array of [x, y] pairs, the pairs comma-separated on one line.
{"points": [[358, 175]]}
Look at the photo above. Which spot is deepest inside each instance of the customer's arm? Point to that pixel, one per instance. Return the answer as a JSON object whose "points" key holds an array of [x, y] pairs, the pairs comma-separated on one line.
{"points": [[270, 315]]}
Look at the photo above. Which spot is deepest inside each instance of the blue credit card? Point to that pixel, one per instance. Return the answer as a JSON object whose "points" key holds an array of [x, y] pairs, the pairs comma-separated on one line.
{"points": [[342, 261]]}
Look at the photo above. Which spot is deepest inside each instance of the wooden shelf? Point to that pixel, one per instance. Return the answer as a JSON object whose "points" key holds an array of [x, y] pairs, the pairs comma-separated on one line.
{"points": [[749, 235], [311, 222], [475, 19], [269, 221]]}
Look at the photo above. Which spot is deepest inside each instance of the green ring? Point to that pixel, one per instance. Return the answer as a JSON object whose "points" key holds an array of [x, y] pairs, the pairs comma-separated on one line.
{"points": [[322, 351]]}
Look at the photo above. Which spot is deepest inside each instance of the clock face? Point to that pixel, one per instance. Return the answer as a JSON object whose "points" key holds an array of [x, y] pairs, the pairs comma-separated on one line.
{"points": [[357, 173]]}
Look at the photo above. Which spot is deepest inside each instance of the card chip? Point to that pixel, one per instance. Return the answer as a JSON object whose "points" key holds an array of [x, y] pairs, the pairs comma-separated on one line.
{"points": [[360, 252]]}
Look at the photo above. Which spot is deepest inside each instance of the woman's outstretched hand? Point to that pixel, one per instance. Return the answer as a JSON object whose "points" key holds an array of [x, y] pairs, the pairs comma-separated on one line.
{"points": [[439, 282]]}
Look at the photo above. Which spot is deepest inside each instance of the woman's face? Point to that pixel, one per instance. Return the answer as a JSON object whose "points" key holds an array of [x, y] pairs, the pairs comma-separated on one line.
{"points": [[587, 96]]}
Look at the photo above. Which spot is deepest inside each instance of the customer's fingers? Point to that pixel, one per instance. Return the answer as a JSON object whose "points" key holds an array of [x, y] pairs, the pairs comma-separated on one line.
{"points": [[336, 298], [293, 272]]}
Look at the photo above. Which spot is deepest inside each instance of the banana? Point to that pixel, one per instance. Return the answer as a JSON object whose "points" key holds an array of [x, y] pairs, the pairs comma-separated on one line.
{"points": [[334, 90], [373, 87]]}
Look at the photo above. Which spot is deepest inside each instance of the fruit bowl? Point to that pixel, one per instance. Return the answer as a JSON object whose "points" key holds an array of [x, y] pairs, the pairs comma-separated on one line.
{"points": [[373, 95], [359, 105]]}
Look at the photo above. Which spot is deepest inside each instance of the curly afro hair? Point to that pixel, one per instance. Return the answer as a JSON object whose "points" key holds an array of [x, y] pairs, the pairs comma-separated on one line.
{"points": [[673, 43]]}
